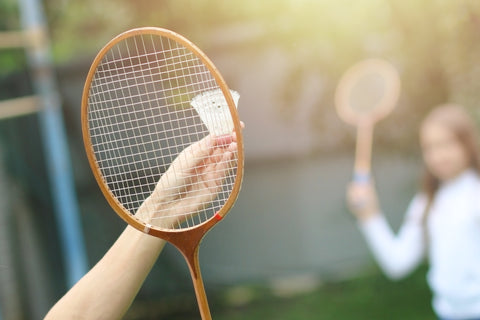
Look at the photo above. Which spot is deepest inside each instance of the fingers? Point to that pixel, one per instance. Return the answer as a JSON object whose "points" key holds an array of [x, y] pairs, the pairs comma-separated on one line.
{"points": [[196, 155], [198, 151], [224, 140], [195, 176], [218, 170], [223, 159], [194, 159], [202, 149]]}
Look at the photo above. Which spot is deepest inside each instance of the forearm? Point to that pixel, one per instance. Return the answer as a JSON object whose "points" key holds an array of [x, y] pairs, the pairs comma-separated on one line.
{"points": [[107, 291], [398, 254]]}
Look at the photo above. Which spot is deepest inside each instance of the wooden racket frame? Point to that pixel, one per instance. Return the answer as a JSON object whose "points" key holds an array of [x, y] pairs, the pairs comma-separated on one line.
{"points": [[186, 240], [365, 122]]}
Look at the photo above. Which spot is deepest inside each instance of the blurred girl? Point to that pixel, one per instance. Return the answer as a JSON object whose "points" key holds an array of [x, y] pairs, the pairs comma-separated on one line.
{"points": [[442, 221]]}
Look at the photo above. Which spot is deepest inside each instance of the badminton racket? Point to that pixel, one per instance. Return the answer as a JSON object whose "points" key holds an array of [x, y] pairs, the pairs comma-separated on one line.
{"points": [[163, 139], [366, 93]]}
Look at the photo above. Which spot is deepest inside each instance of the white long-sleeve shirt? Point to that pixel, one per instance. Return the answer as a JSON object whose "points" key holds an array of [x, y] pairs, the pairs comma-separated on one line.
{"points": [[452, 236]]}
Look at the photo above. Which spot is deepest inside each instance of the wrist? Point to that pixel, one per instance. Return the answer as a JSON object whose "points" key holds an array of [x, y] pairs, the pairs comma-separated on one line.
{"points": [[368, 215]]}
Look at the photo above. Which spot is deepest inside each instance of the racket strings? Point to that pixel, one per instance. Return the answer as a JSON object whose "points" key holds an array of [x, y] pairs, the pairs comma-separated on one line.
{"points": [[151, 83], [140, 120], [367, 93], [104, 125], [192, 211]]}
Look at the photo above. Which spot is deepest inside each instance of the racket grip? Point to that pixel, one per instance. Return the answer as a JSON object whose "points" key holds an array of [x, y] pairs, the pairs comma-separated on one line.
{"points": [[361, 177]]}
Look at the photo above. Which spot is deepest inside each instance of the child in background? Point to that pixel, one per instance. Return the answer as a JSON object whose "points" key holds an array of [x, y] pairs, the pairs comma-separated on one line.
{"points": [[442, 221]]}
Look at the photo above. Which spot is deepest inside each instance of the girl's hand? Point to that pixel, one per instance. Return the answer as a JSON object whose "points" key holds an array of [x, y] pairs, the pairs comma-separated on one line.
{"points": [[362, 200]]}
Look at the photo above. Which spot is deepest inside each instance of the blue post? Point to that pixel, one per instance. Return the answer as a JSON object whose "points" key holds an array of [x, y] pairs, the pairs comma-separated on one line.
{"points": [[55, 144]]}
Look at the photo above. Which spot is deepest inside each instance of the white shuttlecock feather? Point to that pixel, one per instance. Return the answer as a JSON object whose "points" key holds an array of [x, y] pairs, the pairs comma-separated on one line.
{"points": [[213, 110]]}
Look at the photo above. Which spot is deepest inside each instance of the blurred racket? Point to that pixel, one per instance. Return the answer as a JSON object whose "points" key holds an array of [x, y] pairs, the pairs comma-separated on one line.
{"points": [[366, 93], [154, 111]]}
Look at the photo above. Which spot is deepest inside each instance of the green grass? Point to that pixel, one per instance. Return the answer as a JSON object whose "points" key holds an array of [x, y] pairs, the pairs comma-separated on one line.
{"points": [[371, 297]]}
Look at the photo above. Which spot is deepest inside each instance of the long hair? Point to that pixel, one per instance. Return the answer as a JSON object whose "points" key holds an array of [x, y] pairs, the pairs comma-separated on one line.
{"points": [[456, 119]]}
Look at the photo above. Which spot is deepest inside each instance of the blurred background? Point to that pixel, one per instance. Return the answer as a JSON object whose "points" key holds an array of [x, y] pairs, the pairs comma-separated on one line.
{"points": [[289, 249]]}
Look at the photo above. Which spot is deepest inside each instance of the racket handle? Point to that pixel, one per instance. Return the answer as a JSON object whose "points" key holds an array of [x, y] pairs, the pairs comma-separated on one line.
{"points": [[363, 152], [190, 254], [200, 293]]}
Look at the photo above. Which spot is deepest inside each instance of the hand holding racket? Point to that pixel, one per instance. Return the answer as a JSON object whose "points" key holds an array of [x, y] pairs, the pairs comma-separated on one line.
{"points": [[192, 180], [366, 93], [163, 139]]}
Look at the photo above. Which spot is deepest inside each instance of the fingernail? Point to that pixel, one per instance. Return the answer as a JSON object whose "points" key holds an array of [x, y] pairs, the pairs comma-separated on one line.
{"points": [[232, 146]]}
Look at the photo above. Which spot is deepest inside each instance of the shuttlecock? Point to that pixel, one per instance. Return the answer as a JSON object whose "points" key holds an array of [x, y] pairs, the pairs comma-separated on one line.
{"points": [[212, 108]]}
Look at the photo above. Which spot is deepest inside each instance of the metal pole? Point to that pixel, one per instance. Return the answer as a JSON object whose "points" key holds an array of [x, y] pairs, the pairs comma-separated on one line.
{"points": [[54, 139], [9, 288]]}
